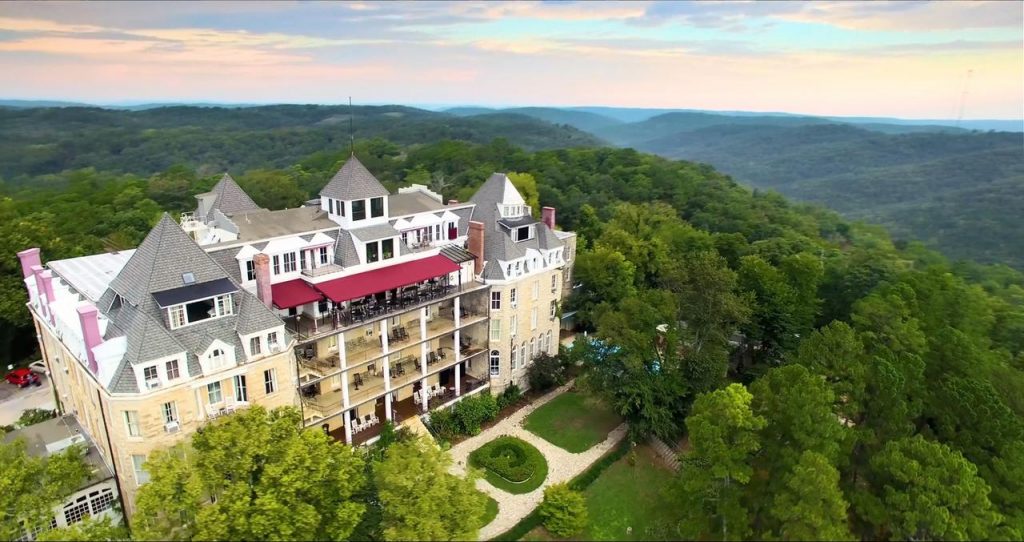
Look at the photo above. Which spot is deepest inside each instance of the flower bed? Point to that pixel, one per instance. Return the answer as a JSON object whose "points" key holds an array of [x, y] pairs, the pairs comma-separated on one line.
{"points": [[511, 464]]}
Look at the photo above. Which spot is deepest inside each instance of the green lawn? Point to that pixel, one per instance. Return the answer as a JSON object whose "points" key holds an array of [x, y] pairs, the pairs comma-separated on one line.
{"points": [[492, 511], [627, 499], [572, 421], [528, 463]]}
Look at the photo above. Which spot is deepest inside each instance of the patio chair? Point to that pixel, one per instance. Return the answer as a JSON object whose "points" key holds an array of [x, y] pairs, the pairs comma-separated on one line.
{"points": [[367, 421], [431, 358], [416, 397], [374, 419], [440, 353], [356, 426]]}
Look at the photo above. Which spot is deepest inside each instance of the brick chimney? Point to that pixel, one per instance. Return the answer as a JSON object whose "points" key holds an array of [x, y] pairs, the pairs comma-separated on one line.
{"points": [[262, 264], [29, 258], [90, 333], [476, 245], [547, 215], [44, 285]]}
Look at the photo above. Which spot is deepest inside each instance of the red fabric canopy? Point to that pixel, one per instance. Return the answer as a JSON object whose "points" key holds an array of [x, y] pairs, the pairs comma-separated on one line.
{"points": [[386, 278], [293, 293]]}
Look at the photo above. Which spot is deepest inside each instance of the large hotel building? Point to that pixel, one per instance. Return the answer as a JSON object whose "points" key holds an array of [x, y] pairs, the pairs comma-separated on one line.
{"points": [[358, 307]]}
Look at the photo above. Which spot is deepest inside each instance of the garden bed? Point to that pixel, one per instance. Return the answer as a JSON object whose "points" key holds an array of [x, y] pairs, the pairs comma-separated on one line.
{"points": [[511, 464]]}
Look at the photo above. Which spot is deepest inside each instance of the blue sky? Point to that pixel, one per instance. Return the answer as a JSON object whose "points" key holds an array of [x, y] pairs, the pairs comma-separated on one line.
{"points": [[906, 59]]}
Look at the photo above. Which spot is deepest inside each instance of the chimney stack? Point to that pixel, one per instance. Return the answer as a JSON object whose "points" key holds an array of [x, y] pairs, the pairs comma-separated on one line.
{"points": [[262, 264], [476, 245], [44, 287], [29, 258], [90, 333], [547, 215]]}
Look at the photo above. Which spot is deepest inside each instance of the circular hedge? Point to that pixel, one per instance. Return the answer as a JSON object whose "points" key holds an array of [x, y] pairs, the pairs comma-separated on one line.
{"points": [[511, 464]]}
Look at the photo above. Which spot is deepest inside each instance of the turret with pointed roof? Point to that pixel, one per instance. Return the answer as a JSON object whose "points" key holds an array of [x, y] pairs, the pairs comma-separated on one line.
{"points": [[353, 182], [226, 197]]}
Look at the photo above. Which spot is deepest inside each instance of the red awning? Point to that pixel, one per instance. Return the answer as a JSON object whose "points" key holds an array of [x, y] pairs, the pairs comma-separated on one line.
{"points": [[293, 293], [387, 278]]}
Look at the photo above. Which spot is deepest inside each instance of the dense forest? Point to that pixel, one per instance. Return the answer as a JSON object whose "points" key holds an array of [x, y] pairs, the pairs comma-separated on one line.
{"points": [[827, 380], [955, 190]]}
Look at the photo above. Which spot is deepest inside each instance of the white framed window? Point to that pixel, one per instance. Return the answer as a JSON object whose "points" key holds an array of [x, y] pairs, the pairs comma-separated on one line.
{"points": [[213, 393], [173, 371], [495, 363], [547, 347], [508, 270], [241, 391], [270, 381], [250, 270], [522, 351], [218, 358], [131, 423], [76, 511], [255, 346], [495, 329], [224, 305], [272, 341], [495, 300], [277, 264], [512, 297], [151, 374], [513, 358], [141, 476], [513, 327], [177, 313], [536, 289], [322, 253], [289, 262], [533, 318], [554, 282], [533, 347], [170, 411], [554, 310], [101, 500]]}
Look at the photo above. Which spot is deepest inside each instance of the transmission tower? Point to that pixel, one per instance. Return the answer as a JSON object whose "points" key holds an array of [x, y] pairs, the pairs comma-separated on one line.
{"points": [[963, 97]]}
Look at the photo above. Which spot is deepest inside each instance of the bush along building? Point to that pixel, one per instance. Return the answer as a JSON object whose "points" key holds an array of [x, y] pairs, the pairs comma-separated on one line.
{"points": [[359, 307]]}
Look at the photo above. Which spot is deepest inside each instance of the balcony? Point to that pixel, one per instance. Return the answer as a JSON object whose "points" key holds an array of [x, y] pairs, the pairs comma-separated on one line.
{"points": [[322, 270], [375, 308]]}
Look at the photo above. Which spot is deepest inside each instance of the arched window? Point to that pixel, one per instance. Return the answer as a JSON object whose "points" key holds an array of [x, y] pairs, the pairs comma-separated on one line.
{"points": [[217, 357], [495, 363], [522, 352]]}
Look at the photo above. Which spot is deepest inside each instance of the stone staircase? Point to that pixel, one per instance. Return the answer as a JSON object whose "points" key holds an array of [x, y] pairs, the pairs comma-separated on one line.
{"points": [[666, 452]]}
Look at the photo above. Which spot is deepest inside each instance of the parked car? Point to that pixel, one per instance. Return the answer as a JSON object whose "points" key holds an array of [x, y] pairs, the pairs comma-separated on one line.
{"points": [[38, 367], [23, 377]]}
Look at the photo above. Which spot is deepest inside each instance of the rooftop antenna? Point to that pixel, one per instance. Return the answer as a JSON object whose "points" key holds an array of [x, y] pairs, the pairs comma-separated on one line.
{"points": [[963, 97], [351, 129]]}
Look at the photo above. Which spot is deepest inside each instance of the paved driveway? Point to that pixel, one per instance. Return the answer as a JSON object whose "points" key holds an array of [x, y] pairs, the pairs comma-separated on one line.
{"points": [[15, 400]]}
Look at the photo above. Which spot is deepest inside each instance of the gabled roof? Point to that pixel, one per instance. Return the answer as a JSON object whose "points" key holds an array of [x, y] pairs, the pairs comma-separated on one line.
{"points": [[229, 198], [147, 271], [353, 181]]}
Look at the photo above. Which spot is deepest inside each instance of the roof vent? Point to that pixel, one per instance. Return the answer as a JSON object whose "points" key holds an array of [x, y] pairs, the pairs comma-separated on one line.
{"points": [[188, 278]]}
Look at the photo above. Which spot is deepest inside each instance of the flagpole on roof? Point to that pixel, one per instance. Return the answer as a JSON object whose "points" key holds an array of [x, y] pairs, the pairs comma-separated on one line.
{"points": [[351, 129]]}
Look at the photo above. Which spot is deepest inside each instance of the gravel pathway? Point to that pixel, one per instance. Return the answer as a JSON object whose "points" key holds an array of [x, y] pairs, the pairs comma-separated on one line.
{"points": [[562, 465]]}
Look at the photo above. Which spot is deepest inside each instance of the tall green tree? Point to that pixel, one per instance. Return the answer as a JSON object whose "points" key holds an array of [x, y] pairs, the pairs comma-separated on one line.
{"points": [[421, 500], [835, 353], [724, 436], [31, 486], [810, 505], [252, 475], [927, 491]]}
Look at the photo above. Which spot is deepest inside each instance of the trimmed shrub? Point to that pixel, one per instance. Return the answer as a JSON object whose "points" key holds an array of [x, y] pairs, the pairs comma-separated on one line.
{"points": [[564, 511], [511, 464], [444, 424], [509, 396], [472, 412]]}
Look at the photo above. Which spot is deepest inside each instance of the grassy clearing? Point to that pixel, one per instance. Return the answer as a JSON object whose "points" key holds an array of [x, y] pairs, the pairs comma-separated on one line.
{"points": [[572, 421]]}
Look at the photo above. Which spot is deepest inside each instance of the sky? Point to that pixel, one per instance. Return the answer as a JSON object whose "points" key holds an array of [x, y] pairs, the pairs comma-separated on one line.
{"points": [[898, 59]]}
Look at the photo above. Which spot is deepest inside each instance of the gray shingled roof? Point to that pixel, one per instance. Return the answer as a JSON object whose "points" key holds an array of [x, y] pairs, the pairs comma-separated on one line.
{"points": [[230, 198], [158, 264], [345, 253], [411, 203], [353, 181], [373, 233], [464, 215]]}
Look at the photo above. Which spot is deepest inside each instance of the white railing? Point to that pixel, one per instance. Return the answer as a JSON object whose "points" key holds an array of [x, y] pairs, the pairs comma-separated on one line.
{"points": [[188, 221]]}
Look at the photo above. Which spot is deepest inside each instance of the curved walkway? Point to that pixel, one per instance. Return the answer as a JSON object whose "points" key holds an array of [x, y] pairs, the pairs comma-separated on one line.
{"points": [[562, 465]]}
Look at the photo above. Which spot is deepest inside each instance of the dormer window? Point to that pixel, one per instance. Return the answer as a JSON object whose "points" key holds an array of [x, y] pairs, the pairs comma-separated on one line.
{"points": [[190, 313], [523, 233], [218, 358], [358, 210]]}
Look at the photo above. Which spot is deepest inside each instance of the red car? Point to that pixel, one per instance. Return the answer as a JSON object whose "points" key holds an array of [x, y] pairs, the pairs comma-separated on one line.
{"points": [[23, 377]]}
